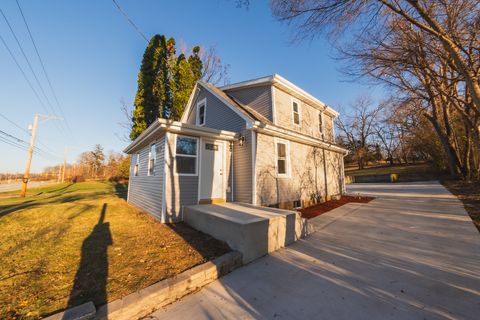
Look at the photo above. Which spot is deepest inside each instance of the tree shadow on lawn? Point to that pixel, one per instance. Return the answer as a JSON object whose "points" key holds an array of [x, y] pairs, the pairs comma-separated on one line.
{"points": [[53, 199], [90, 282]]}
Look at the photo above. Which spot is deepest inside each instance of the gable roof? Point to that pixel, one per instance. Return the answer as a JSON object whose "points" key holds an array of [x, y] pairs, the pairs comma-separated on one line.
{"points": [[285, 85]]}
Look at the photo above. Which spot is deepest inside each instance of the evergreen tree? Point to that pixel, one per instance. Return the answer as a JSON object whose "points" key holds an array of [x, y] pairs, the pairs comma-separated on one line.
{"points": [[184, 83], [146, 99], [196, 64], [161, 86], [165, 83]]}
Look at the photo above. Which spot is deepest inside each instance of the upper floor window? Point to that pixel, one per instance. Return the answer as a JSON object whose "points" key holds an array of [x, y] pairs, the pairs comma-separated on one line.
{"points": [[282, 157], [320, 124], [137, 165], [152, 156], [296, 112], [201, 112], [186, 153]]}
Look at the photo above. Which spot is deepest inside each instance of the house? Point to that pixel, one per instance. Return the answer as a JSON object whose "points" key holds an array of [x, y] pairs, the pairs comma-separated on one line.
{"points": [[264, 142]]}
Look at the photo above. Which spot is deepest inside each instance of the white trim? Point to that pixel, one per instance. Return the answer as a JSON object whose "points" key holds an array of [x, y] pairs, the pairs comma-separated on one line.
{"points": [[299, 111], [290, 135], [162, 125], [200, 155], [254, 167], [165, 167], [282, 82], [185, 155], [224, 170], [136, 166], [274, 107], [224, 160], [231, 145], [288, 174], [188, 107], [197, 114], [234, 109], [249, 83], [333, 130], [152, 145]]}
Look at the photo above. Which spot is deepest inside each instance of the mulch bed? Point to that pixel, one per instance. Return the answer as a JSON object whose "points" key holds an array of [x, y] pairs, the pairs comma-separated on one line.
{"points": [[321, 208]]}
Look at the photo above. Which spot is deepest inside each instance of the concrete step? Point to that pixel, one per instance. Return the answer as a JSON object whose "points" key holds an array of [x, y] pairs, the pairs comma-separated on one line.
{"points": [[252, 230]]}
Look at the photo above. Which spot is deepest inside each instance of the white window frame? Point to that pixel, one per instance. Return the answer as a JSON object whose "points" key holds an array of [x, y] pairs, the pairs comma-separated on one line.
{"points": [[197, 119], [287, 158], [149, 166], [136, 167], [197, 156], [321, 125], [298, 111]]}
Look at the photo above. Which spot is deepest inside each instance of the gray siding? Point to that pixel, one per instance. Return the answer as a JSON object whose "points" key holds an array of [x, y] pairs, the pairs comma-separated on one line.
{"points": [[313, 171], [257, 98], [309, 124], [220, 116], [146, 192]]}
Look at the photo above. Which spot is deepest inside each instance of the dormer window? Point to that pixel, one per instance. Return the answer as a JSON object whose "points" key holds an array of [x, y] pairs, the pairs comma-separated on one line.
{"points": [[296, 112], [201, 112]]}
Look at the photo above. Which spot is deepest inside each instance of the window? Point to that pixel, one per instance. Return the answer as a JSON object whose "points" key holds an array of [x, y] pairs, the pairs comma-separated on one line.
{"points": [[137, 165], [152, 156], [186, 151], [320, 124], [296, 112], [201, 108], [282, 155]]}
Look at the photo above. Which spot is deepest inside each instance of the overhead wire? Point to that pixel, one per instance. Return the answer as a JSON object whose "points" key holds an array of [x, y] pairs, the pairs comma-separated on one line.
{"points": [[44, 69], [52, 111]]}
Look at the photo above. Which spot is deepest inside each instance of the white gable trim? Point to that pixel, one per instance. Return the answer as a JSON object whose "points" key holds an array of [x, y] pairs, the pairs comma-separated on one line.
{"points": [[188, 108]]}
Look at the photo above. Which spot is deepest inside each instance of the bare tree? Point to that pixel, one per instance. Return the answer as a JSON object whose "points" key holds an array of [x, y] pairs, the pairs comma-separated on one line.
{"points": [[358, 127], [428, 51], [214, 71]]}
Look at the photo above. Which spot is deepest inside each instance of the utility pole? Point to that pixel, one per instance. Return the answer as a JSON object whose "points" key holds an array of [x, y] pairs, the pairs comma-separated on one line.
{"points": [[26, 175], [64, 163]]}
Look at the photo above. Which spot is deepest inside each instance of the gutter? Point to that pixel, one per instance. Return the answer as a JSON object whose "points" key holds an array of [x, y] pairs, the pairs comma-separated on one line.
{"points": [[295, 136]]}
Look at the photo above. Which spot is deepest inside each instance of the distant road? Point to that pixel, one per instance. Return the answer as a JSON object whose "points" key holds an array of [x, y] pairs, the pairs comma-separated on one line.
{"points": [[18, 185]]}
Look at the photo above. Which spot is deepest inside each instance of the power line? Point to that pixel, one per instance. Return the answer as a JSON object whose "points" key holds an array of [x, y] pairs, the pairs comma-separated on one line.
{"points": [[29, 64], [43, 67], [16, 125], [25, 56], [137, 29], [19, 141], [26, 131], [23, 73]]}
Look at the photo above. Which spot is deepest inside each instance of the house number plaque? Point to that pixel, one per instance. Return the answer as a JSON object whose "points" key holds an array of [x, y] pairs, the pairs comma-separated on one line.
{"points": [[211, 146]]}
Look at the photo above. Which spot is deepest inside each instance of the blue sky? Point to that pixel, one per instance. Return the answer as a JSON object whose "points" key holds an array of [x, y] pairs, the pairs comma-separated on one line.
{"points": [[92, 56]]}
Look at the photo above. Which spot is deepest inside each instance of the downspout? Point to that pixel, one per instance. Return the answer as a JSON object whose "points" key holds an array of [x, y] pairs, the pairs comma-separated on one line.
{"points": [[325, 174], [231, 169]]}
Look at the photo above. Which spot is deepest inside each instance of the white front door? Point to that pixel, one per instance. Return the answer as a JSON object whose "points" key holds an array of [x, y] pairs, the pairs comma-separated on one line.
{"points": [[211, 172]]}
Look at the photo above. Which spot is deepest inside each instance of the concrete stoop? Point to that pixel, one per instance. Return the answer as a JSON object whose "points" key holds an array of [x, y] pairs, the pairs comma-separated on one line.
{"points": [[252, 230], [142, 303]]}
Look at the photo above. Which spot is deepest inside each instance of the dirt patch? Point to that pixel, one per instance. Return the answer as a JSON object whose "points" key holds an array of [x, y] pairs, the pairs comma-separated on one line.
{"points": [[318, 209], [469, 194]]}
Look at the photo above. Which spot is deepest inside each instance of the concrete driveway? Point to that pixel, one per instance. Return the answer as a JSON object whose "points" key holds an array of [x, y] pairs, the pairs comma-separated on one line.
{"points": [[412, 253]]}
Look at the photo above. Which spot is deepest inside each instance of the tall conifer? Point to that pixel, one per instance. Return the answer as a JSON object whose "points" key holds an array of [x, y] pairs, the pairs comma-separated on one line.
{"points": [[184, 83]]}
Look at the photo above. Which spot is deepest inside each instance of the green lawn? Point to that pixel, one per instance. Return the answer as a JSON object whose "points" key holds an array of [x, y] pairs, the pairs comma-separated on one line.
{"points": [[423, 169], [66, 244]]}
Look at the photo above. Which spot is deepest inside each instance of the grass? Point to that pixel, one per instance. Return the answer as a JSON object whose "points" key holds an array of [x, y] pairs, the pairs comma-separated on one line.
{"points": [[469, 194], [419, 170], [66, 244]]}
